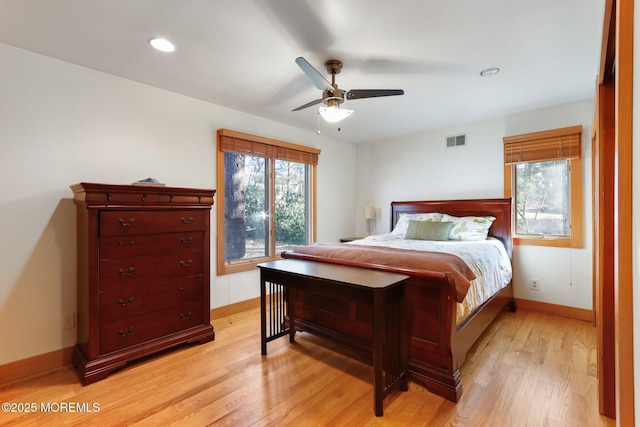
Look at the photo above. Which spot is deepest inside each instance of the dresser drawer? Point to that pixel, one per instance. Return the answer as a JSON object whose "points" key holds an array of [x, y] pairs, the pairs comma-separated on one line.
{"points": [[149, 269], [146, 244], [124, 223], [136, 300], [123, 333]]}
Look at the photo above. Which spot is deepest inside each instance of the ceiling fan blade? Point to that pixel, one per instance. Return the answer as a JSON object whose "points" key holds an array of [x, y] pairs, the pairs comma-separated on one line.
{"points": [[308, 104], [373, 93], [313, 74]]}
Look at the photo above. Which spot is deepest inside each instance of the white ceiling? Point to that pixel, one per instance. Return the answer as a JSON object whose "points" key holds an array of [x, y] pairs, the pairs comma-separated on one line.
{"points": [[240, 53]]}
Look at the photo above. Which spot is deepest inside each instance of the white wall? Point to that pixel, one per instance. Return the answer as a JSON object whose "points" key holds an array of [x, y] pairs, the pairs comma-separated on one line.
{"points": [[420, 167], [61, 124]]}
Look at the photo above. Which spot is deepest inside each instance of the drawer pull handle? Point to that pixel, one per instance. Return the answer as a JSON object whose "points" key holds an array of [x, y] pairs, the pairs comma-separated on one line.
{"points": [[186, 241], [125, 334], [126, 273], [126, 224], [131, 242], [186, 264], [144, 197], [123, 303], [185, 316], [181, 288], [186, 221]]}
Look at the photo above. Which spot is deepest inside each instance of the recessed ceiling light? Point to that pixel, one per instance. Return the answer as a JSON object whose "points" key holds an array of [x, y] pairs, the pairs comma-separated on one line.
{"points": [[490, 71], [162, 45]]}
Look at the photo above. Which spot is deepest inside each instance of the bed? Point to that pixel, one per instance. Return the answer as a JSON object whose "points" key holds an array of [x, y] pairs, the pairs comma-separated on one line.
{"points": [[439, 334]]}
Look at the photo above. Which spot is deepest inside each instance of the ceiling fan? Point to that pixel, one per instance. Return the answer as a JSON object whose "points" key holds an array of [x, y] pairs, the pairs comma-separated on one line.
{"points": [[332, 97]]}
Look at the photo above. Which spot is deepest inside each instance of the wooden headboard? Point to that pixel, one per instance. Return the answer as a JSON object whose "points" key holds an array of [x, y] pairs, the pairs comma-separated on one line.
{"points": [[498, 208]]}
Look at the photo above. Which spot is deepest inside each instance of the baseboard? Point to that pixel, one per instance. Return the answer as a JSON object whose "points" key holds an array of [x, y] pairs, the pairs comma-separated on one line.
{"points": [[35, 365], [557, 310], [235, 308], [55, 359]]}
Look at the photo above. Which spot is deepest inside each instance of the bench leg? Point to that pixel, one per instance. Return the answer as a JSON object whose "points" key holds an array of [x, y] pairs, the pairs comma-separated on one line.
{"points": [[291, 303], [378, 322]]}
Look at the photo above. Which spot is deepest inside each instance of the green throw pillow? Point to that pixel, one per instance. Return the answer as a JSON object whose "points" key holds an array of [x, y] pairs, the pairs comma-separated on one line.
{"points": [[427, 230]]}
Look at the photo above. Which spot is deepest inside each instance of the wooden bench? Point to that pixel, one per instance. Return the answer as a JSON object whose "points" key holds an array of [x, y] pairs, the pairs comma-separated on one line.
{"points": [[383, 291]]}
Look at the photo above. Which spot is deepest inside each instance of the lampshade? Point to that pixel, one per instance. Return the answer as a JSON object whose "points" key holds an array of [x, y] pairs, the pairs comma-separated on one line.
{"points": [[334, 114], [370, 212]]}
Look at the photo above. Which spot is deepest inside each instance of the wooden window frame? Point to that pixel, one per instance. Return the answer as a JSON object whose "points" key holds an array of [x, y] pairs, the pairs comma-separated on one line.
{"points": [[536, 139], [229, 140]]}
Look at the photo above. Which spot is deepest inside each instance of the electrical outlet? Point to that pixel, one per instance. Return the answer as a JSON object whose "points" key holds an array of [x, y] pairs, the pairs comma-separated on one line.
{"points": [[535, 284], [69, 321]]}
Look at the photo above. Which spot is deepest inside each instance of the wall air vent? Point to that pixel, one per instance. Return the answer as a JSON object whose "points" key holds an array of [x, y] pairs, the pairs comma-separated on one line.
{"points": [[456, 140]]}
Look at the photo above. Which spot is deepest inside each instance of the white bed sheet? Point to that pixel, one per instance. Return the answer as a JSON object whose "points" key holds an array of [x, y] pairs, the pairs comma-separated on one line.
{"points": [[487, 258]]}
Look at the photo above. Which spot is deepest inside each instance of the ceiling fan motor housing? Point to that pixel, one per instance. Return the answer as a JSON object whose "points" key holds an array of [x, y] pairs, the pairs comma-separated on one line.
{"points": [[335, 97], [332, 99]]}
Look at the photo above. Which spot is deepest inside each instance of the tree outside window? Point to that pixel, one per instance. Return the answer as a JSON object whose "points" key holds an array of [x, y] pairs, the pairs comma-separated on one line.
{"points": [[291, 202], [542, 198], [246, 207]]}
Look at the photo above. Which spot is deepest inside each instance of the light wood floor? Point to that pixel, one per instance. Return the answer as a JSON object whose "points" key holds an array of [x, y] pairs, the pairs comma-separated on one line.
{"points": [[528, 369]]}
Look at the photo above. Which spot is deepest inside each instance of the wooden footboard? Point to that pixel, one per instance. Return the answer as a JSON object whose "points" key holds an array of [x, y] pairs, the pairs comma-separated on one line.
{"points": [[436, 347], [430, 320]]}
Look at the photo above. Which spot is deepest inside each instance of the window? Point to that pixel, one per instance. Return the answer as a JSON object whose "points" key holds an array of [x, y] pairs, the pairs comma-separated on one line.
{"points": [[266, 199], [542, 198], [543, 175]]}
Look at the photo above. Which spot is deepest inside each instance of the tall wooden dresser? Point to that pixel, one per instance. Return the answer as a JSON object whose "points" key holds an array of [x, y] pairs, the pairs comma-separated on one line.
{"points": [[143, 273]]}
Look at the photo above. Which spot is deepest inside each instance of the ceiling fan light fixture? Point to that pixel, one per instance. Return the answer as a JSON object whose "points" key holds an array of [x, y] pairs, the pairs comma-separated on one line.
{"points": [[334, 114]]}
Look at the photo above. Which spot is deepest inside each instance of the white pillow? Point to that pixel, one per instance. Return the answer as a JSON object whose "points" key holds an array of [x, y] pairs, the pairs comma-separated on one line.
{"points": [[403, 222], [469, 227]]}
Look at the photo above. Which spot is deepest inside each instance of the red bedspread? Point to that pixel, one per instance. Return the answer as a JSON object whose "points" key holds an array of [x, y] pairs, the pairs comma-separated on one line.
{"points": [[392, 257]]}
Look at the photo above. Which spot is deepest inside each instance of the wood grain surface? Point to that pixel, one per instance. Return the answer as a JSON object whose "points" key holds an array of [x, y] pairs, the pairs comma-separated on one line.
{"points": [[527, 369]]}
